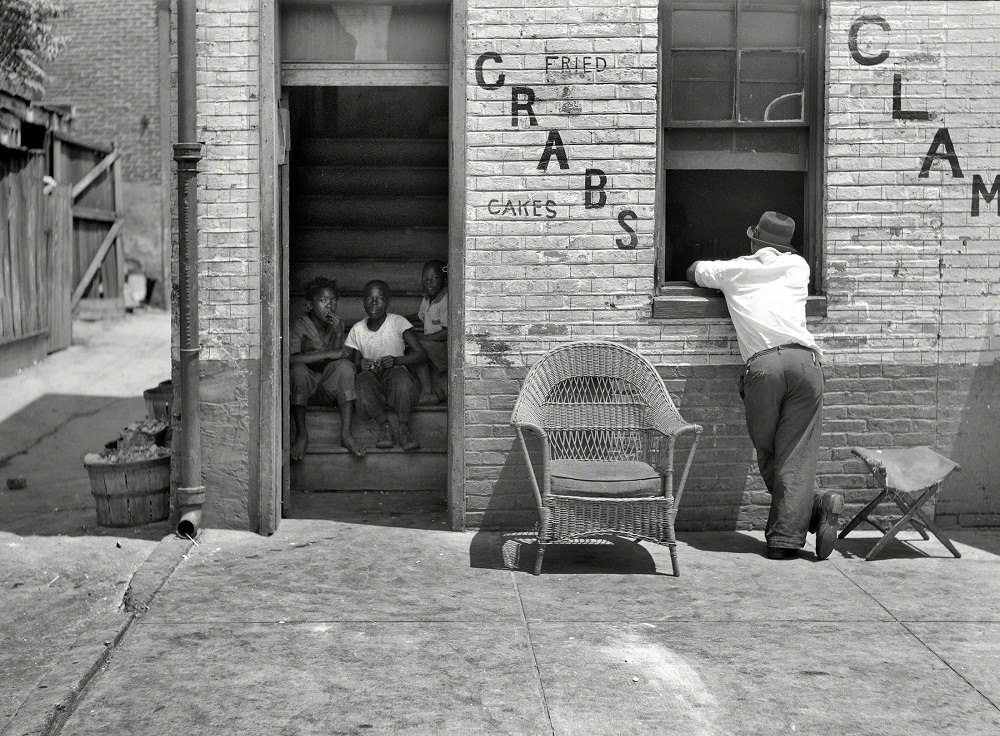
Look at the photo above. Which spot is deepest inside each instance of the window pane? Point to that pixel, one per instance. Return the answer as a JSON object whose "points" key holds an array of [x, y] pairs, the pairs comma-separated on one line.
{"points": [[766, 76], [698, 28], [699, 140], [702, 85], [708, 212], [771, 24]]}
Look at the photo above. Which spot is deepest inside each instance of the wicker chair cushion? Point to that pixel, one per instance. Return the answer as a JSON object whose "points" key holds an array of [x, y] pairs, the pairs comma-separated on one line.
{"points": [[618, 479]]}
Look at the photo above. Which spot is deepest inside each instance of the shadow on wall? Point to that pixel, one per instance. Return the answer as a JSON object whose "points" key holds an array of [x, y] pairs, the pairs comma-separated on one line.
{"points": [[724, 491], [971, 498]]}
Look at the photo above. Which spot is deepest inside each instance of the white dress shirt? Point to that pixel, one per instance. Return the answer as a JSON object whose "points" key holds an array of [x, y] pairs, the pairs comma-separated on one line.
{"points": [[766, 293]]}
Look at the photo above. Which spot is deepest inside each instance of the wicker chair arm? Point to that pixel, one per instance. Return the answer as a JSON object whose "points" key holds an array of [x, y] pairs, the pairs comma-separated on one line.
{"points": [[540, 489], [530, 427], [663, 461], [684, 429]]}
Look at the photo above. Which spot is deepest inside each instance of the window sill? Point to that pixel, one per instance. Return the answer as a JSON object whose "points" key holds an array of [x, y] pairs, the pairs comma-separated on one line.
{"points": [[677, 301]]}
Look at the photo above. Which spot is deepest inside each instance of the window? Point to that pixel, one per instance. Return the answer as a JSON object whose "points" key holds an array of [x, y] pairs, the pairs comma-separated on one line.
{"points": [[741, 108]]}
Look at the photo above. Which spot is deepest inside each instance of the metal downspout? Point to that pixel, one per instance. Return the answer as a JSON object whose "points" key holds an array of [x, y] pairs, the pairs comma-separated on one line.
{"points": [[187, 154]]}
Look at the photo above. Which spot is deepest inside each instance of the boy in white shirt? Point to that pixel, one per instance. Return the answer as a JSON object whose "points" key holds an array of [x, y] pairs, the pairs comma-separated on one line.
{"points": [[386, 388]]}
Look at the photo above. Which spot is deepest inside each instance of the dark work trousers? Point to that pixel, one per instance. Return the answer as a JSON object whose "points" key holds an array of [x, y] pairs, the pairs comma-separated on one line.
{"points": [[395, 389], [783, 397]]}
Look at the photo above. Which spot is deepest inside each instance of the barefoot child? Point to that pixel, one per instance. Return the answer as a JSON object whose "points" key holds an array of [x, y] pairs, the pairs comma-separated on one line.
{"points": [[320, 366], [379, 348], [433, 316]]}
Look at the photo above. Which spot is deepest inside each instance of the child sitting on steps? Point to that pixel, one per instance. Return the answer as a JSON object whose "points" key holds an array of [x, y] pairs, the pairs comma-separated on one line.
{"points": [[320, 368], [387, 390], [433, 333]]}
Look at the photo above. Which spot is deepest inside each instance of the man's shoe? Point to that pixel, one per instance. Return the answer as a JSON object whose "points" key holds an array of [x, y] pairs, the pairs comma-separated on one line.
{"points": [[831, 504], [782, 553]]}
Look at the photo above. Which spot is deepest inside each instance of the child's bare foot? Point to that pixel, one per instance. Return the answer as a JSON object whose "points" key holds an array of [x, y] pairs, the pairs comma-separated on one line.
{"points": [[298, 450], [384, 441], [406, 440], [352, 445]]}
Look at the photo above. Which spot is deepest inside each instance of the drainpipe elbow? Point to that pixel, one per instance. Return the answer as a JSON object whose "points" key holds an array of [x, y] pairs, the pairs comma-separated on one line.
{"points": [[189, 524]]}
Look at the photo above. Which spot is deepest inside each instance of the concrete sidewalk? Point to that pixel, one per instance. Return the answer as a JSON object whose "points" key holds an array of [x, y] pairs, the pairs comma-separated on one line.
{"points": [[63, 577], [369, 623]]}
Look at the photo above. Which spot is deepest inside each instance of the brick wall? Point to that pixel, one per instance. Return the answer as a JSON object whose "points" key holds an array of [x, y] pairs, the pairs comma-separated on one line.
{"points": [[228, 249], [913, 263], [228, 180], [541, 266], [109, 73], [910, 272]]}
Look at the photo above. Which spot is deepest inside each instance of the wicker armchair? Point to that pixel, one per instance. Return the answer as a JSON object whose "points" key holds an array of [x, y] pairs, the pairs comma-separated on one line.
{"points": [[608, 431]]}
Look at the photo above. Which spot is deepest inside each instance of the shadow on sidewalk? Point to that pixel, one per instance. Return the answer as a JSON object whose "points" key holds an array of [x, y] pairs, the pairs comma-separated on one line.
{"points": [[42, 447], [518, 551]]}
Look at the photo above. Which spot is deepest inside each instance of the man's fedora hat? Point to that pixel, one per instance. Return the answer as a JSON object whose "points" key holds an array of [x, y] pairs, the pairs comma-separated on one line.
{"points": [[774, 230]]}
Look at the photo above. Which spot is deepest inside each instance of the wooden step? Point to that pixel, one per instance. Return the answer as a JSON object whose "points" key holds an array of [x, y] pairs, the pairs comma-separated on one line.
{"points": [[350, 309], [318, 243], [369, 180], [361, 210], [380, 470], [428, 424], [351, 276], [372, 151]]}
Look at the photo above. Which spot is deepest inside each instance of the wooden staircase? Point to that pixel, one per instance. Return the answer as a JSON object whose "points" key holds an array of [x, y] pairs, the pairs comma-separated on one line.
{"points": [[362, 209]]}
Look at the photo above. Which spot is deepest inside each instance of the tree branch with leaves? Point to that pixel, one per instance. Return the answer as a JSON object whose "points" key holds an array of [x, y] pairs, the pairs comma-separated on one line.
{"points": [[28, 40]]}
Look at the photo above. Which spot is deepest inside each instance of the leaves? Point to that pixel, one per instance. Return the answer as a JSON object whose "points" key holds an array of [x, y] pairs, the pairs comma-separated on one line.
{"points": [[28, 40]]}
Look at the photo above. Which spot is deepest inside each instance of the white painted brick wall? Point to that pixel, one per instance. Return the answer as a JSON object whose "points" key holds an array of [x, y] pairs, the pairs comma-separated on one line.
{"points": [[228, 65], [534, 281], [904, 258], [909, 267]]}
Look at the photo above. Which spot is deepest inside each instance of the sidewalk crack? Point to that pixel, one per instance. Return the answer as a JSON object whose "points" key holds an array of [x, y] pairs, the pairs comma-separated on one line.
{"points": [[914, 635], [534, 659]]}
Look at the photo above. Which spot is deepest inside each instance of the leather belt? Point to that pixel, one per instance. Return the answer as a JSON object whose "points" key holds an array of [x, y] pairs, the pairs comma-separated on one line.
{"points": [[776, 348]]}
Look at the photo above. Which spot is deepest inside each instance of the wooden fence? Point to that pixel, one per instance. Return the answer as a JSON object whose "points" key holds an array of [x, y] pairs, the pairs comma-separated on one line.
{"points": [[35, 244], [60, 243], [98, 248]]}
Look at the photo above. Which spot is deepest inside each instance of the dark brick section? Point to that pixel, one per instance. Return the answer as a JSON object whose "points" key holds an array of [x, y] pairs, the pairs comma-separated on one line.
{"points": [[867, 405], [109, 73]]}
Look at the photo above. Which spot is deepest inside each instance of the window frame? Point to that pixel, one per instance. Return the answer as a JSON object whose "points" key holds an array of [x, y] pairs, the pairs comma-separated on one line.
{"points": [[682, 300]]}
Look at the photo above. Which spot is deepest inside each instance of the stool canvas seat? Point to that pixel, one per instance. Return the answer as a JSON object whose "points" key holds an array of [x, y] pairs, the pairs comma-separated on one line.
{"points": [[910, 477]]}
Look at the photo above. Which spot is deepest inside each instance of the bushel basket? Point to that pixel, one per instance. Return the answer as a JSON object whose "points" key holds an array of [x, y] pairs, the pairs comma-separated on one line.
{"points": [[131, 493]]}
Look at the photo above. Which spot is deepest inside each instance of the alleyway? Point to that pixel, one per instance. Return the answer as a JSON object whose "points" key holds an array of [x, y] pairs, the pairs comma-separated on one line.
{"points": [[62, 577]]}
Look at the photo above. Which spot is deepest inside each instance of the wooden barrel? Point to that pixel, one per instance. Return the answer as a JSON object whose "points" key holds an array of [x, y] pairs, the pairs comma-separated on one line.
{"points": [[158, 401], [131, 493]]}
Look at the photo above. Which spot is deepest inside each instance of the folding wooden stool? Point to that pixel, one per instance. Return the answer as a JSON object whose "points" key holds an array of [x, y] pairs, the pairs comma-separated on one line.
{"points": [[910, 477]]}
